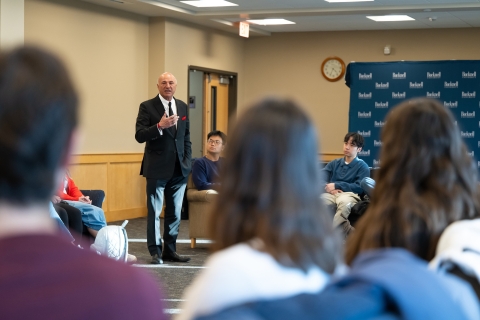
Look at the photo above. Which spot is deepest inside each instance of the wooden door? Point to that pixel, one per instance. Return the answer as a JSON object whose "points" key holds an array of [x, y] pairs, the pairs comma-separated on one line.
{"points": [[215, 104]]}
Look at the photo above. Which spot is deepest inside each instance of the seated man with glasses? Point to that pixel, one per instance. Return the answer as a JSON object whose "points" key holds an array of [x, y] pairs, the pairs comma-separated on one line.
{"points": [[205, 170]]}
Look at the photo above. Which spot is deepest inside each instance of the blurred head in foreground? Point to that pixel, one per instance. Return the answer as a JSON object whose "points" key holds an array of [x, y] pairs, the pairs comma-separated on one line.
{"points": [[38, 113], [271, 188], [425, 182]]}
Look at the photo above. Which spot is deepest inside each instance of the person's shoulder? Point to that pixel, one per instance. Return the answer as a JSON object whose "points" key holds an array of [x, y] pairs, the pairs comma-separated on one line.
{"points": [[199, 163], [231, 255], [335, 162], [362, 163], [97, 284], [116, 281], [151, 101]]}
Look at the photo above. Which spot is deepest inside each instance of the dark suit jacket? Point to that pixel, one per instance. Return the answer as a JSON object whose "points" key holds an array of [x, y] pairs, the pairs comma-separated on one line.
{"points": [[161, 150]]}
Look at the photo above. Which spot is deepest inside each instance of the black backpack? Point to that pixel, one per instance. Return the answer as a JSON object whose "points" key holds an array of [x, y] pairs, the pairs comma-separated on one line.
{"points": [[357, 211]]}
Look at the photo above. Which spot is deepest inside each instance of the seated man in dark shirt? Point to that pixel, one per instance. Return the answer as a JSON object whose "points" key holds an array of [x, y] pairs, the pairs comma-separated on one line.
{"points": [[205, 170], [343, 177]]}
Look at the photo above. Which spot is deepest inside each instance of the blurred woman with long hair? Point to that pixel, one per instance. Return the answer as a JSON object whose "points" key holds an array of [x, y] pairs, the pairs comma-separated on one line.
{"points": [[273, 237], [425, 182]]}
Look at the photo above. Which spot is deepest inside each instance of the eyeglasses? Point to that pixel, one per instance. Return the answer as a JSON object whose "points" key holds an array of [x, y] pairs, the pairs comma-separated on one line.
{"points": [[216, 142]]}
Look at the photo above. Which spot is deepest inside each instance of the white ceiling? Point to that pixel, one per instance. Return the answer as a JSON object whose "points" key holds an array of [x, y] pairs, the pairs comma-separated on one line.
{"points": [[312, 15]]}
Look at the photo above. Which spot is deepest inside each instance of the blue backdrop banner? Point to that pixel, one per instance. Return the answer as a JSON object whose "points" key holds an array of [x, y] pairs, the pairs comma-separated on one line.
{"points": [[375, 88]]}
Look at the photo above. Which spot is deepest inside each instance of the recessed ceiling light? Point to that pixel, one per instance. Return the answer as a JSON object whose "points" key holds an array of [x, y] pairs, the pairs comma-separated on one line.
{"points": [[210, 3], [390, 18], [348, 0], [269, 22]]}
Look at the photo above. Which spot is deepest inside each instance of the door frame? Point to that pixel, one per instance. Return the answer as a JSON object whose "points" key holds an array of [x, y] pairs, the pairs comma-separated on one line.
{"points": [[232, 89]]}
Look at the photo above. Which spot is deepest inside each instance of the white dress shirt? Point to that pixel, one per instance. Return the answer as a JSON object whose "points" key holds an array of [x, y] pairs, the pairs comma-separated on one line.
{"points": [[165, 106]]}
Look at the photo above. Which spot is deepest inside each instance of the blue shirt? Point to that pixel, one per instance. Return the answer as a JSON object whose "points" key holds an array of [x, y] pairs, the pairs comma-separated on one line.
{"points": [[205, 173], [346, 177]]}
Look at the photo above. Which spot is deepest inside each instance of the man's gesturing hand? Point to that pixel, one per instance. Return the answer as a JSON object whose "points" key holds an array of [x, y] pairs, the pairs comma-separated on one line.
{"points": [[167, 122]]}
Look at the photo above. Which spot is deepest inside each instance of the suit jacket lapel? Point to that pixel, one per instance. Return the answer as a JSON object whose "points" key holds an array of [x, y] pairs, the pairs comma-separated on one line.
{"points": [[159, 106]]}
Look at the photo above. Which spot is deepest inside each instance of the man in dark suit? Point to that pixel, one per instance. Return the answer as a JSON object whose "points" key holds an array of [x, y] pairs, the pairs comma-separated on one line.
{"points": [[162, 123]]}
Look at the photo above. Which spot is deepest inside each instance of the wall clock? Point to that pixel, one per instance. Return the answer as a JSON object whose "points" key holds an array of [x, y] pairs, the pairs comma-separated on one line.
{"points": [[333, 68]]}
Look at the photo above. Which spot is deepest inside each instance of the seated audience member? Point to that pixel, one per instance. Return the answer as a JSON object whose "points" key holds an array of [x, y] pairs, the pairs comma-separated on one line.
{"points": [[92, 216], [426, 182], [42, 275], [273, 237], [381, 284], [205, 171], [458, 252], [71, 216], [343, 178], [60, 220]]}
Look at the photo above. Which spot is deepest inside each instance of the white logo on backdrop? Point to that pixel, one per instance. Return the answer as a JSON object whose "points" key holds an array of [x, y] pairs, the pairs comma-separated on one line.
{"points": [[416, 85], [467, 134], [365, 114], [364, 95], [434, 75], [469, 95], [365, 76], [433, 94], [381, 105], [399, 75], [450, 104], [381, 85], [450, 84], [469, 75], [467, 114], [399, 95], [365, 133]]}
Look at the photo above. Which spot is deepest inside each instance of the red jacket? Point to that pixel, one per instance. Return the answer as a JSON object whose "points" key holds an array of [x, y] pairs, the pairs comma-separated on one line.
{"points": [[73, 193]]}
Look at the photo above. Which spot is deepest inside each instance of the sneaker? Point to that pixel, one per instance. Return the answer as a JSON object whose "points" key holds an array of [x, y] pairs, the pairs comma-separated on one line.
{"points": [[131, 258]]}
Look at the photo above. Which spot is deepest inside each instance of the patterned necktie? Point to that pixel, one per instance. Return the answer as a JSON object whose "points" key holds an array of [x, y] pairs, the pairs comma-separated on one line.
{"points": [[173, 128]]}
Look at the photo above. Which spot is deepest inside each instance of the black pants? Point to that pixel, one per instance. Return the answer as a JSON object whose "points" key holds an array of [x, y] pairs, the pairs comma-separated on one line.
{"points": [[71, 217]]}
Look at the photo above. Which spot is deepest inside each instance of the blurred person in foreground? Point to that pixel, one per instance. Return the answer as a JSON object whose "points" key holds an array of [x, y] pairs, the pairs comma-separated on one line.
{"points": [[426, 181], [270, 195], [273, 236], [38, 120]]}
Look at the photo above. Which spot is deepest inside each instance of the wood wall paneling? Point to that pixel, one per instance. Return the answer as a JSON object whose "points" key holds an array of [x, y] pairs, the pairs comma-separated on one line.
{"points": [[116, 174]]}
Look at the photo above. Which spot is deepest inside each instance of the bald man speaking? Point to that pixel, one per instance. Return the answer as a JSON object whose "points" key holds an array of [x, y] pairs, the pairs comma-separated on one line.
{"points": [[162, 123]]}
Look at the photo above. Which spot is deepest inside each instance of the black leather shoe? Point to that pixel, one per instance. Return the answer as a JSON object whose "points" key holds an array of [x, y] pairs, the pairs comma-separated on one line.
{"points": [[156, 259], [174, 257]]}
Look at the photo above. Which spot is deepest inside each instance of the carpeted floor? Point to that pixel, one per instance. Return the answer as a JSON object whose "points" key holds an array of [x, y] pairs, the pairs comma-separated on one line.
{"points": [[172, 277]]}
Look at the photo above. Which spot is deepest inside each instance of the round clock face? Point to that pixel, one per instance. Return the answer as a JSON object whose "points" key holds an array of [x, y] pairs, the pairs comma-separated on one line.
{"points": [[333, 69]]}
